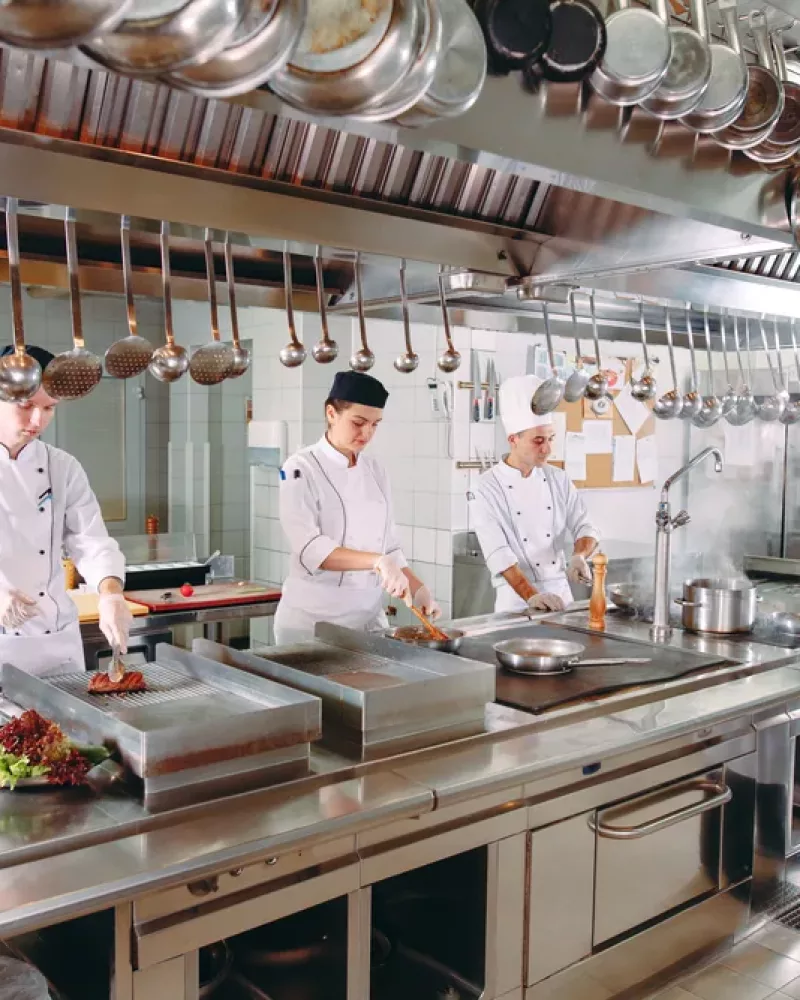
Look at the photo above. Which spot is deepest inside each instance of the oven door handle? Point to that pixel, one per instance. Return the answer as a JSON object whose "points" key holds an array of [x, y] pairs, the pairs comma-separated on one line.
{"points": [[720, 795]]}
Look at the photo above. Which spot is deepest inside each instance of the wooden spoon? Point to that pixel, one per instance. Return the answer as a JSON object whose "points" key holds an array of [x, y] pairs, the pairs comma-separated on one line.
{"points": [[432, 630]]}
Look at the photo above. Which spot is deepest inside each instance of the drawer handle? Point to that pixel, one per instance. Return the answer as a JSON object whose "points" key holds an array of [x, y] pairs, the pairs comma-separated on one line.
{"points": [[720, 795]]}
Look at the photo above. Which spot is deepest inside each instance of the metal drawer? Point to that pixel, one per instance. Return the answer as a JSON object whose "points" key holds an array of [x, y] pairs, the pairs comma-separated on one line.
{"points": [[657, 852]]}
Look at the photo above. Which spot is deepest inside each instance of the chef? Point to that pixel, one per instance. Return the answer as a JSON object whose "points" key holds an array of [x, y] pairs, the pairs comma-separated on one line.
{"points": [[336, 511], [48, 508], [523, 510]]}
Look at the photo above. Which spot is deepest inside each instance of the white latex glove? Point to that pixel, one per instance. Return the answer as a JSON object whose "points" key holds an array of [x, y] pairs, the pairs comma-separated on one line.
{"points": [[115, 620], [16, 608], [545, 602], [423, 599], [579, 570], [393, 579]]}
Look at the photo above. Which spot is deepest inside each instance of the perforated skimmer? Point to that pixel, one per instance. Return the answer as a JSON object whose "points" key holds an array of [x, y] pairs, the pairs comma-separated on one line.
{"points": [[130, 356], [73, 374], [212, 363]]}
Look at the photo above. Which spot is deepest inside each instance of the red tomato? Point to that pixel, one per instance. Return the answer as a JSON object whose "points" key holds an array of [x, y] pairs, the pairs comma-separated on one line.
{"points": [[187, 590]]}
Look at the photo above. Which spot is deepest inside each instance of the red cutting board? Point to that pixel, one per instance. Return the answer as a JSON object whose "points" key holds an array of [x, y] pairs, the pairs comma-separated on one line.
{"points": [[213, 595]]}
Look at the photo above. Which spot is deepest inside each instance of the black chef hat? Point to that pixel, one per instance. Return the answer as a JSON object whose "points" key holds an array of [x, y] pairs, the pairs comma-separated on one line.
{"points": [[43, 356], [356, 387]]}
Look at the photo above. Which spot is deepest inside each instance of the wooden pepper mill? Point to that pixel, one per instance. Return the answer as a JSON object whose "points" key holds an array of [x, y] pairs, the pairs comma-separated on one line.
{"points": [[597, 602]]}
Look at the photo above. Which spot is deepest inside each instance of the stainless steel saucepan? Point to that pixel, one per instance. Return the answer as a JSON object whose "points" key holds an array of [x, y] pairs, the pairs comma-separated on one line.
{"points": [[551, 656], [722, 606]]}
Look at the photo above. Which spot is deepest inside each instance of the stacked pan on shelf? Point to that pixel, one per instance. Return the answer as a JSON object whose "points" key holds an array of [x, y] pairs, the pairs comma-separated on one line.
{"points": [[642, 61], [411, 61]]}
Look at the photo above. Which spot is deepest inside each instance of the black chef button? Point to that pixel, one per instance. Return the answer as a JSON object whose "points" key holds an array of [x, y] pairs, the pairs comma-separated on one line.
{"points": [[548, 536], [519, 512], [41, 593], [40, 470], [549, 508], [16, 633], [41, 510], [41, 552], [47, 631], [524, 539], [554, 562], [538, 564]]}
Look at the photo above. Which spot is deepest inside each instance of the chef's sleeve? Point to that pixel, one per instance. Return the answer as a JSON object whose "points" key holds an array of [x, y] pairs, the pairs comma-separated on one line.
{"points": [[299, 516], [393, 545], [86, 540], [578, 523], [487, 523]]}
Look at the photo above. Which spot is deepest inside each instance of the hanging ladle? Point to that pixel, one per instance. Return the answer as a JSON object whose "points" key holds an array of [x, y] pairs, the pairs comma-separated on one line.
{"points": [[73, 373], [212, 363], [405, 362], [576, 383], [669, 406], [711, 410], [791, 410], [170, 361], [745, 409], [325, 350], [20, 374], [449, 359], [597, 386], [363, 359], [550, 393], [644, 387], [692, 400], [130, 356], [773, 406], [241, 355], [294, 354], [730, 399]]}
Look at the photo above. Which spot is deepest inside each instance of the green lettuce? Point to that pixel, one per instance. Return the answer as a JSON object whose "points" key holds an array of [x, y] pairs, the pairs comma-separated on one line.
{"points": [[13, 768]]}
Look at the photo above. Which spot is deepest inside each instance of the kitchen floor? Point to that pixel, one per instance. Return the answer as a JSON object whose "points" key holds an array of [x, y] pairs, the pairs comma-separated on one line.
{"points": [[766, 964]]}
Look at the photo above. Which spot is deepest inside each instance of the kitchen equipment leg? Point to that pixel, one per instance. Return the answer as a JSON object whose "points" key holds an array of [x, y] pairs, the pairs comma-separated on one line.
{"points": [[212, 631], [505, 916], [359, 935], [123, 958]]}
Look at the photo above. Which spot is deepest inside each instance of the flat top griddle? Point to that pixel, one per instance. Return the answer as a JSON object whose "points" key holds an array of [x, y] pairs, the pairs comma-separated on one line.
{"points": [[542, 692]]}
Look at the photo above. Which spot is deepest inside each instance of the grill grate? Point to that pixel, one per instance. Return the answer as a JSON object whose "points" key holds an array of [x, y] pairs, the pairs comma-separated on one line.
{"points": [[164, 684]]}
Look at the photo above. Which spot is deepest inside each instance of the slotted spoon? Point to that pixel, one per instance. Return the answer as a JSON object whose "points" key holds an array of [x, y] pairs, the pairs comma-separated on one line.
{"points": [[20, 374], [170, 361], [576, 383], [212, 363], [76, 372], [669, 406], [130, 356], [692, 400], [241, 355], [550, 393], [597, 386]]}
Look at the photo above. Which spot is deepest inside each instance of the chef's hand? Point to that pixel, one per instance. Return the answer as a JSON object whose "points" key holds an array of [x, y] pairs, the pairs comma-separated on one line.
{"points": [[545, 602], [579, 570], [16, 608], [115, 620], [393, 579], [423, 599]]}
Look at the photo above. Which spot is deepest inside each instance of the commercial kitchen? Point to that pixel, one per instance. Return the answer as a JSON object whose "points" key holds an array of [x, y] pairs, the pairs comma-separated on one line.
{"points": [[211, 209]]}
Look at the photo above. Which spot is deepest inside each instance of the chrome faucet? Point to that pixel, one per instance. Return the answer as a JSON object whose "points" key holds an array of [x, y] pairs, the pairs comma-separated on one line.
{"points": [[660, 630]]}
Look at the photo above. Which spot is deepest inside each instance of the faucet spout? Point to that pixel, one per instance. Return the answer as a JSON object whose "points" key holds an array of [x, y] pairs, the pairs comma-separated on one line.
{"points": [[665, 525], [698, 458]]}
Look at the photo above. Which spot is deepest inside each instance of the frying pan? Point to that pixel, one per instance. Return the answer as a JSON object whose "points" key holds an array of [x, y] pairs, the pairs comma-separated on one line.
{"points": [[550, 656], [516, 31], [689, 70], [725, 95], [577, 44], [454, 639], [784, 138], [637, 53]]}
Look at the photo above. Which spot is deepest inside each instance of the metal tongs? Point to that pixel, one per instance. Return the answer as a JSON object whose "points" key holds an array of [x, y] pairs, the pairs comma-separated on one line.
{"points": [[116, 669]]}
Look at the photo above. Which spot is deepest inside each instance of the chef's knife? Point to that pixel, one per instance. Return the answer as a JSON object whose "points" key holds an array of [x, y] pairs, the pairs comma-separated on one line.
{"points": [[488, 402], [475, 406]]}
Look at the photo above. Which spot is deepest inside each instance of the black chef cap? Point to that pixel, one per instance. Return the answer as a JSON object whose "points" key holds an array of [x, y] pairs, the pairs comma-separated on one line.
{"points": [[43, 356], [356, 387]]}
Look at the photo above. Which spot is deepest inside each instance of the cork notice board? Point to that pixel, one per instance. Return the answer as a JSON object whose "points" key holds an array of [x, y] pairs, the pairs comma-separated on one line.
{"points": [[599, 468]]}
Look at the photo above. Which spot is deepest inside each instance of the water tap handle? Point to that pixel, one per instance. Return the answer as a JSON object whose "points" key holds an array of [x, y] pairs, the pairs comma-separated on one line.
{"points": [[681, 518]]}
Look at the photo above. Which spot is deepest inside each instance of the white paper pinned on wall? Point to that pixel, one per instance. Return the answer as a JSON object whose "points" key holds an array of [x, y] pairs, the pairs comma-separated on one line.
{"points": [[631, 410], [560, 431], [647, 459], [575, 456], [599, 435], [623, 465]]}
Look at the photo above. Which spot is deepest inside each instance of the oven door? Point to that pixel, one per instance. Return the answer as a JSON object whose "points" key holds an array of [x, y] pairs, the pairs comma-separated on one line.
{"points": [[660, 851]]}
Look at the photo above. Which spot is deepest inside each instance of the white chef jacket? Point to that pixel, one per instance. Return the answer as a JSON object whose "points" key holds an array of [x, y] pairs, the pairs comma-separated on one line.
{"points": [[527, 521], [326, 504], [47, 507]]}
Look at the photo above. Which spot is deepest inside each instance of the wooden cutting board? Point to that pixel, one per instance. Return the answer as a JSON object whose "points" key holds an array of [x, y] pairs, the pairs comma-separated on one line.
{"points": [[212, 595], [87, 607]]}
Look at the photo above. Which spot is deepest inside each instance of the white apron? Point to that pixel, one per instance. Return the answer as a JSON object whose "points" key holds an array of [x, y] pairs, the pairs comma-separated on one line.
{"points": [[45, 503], [326, 504]]}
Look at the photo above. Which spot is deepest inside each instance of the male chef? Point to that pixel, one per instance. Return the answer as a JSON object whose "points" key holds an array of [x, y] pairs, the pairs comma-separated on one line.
{"points": [[47, 507], [523, 509]]}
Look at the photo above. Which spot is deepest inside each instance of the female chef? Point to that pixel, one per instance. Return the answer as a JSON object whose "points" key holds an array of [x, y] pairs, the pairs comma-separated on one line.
{"points": [[47, 507], [336, 511]]}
